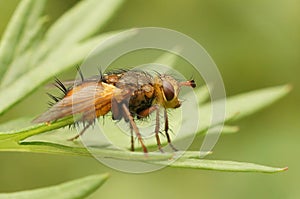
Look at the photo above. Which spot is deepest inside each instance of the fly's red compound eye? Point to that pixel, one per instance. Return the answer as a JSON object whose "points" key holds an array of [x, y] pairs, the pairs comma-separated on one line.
{"points": [[168, 90]]}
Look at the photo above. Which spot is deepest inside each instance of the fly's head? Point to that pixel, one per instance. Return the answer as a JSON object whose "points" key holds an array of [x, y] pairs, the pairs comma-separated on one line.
{"points": [[167, 90]]}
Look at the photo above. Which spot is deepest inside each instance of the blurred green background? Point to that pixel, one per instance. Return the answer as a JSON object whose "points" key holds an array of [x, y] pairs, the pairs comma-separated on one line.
{"points": [[255, 44]]}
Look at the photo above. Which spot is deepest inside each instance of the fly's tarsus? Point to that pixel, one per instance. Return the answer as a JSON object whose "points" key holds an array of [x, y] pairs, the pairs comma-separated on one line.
{"points": [[81, 132]]}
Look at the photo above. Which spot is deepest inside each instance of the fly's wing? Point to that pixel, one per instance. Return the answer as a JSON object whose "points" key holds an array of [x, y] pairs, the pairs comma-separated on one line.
{"points": [[87, 98]]}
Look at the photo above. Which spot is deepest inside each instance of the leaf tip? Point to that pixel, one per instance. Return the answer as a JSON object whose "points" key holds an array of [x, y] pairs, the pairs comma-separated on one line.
{"points": [[236, 128], [105, 176], [285, 169], [282, 169], [289, 87], [100, 178]]}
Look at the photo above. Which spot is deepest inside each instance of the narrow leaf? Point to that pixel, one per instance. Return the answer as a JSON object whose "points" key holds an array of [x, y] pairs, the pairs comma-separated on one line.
{"points": [[13, 141], [33, 26], [24, 52], [46, 70], [56, 143], [202, 94], [237, 107], [53, 148], [230, 129], [13, 34], [80, 188], [226, 129], [168, 59], [82, 21], [242, 105], [220, 165], [23, 133]]}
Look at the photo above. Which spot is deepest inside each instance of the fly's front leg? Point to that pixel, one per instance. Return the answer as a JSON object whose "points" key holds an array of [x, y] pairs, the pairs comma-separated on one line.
{"points": [[134, 127], [167, 129]]}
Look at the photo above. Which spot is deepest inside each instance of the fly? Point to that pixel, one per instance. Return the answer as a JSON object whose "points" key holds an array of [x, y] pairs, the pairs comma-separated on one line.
{"points": [[129, 95]]}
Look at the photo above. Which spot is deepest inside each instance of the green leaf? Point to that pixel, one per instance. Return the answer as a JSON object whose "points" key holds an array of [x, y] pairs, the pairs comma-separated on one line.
{"points": [[55, 143], [28, 131], [237, 107], [80, 188], [82, 21], [230, 129], [79, 23], [186, 159], [49, 143], [220, 165], [242, 105], [13, 34], [202, 94], [26, 52], [227, 129], [46, 70], [167, 59], [33, 27], [248, 103], [69, 34]]}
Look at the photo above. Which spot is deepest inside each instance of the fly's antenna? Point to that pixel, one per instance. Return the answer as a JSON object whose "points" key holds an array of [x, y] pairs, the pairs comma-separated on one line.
{"points": [[190, 83]]}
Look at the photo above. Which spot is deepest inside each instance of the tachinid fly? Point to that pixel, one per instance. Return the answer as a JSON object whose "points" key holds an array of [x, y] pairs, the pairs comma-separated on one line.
{"points": [[129, 95]]}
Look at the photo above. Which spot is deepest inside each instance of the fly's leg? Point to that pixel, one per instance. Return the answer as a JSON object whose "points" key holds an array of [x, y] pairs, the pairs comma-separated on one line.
{"points": [[157, 130], [132, 138], [167, 129], [134, 127], [81, 132], [147, 112]]}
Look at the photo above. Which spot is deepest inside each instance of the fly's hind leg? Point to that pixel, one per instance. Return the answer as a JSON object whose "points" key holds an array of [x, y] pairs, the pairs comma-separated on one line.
{"points": [[81, 132]]}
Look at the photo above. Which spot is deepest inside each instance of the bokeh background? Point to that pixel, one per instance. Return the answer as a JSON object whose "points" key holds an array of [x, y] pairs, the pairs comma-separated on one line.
{"points": [[255, 44]]}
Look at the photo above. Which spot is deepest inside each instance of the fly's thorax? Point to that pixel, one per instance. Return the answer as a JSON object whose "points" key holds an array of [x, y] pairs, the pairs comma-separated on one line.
{"points": [[112, 78], [167, 91], [148, 90]]}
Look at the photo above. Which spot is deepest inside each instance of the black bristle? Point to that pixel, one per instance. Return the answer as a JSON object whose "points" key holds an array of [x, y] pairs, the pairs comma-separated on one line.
{"points": [[50, 104], [60, 86], [80, 73], [56, 99], [116, 71], [100, 73]]}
